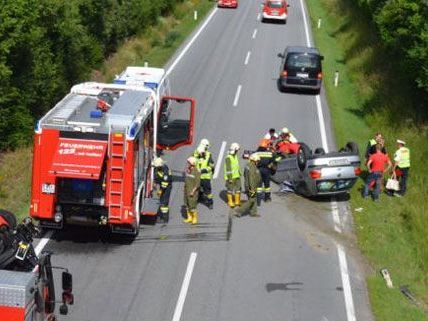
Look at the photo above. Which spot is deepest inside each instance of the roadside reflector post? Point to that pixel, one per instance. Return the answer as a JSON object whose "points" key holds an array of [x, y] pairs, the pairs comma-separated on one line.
{"points": [[146, 64], [319, 23], [336, 78], [387, 278], [195, 15]]}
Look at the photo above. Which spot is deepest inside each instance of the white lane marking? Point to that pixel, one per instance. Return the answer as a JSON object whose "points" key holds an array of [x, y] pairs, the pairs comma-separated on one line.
{"points": [[183, 52], [184, 287], [305, 22], [346, 283], [43, 242], [336, 218], [258, 16], [247, 58], [254, 33], [48, 235], [238, 92], [322, 123], [219, 160], [347, 291]]}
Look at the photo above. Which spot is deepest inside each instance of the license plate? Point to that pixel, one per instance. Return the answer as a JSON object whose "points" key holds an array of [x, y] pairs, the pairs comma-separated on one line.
{"points": [[48, 188], [339, 162], [274, 13], [302, 75]]}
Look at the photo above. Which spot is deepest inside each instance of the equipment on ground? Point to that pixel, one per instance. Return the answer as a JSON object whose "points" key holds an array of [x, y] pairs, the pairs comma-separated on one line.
{"points": [[27, 290], [94, 167]]}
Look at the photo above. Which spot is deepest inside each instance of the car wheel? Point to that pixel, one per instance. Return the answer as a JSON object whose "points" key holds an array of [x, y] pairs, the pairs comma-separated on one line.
{"points": [[285, 21], [352, 147], [302, 156]]}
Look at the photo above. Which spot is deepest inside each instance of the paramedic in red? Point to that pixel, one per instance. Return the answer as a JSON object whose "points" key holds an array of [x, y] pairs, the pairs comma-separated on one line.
{"points": [[376, 167]]}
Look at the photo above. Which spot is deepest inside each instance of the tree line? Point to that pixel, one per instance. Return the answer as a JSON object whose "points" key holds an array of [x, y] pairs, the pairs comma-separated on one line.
{"points": [[47, 46], [403, 29]]}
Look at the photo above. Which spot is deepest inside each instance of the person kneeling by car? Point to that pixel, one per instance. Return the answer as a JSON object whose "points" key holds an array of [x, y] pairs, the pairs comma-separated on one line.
{"points": [[376, 167]]}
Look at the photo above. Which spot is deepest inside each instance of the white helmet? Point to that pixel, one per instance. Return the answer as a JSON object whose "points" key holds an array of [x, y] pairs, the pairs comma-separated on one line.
{"points": [[254, 157], [201, 149], [157, 162], [191, 160], [285, 130], [205, 142], [234, 147]]}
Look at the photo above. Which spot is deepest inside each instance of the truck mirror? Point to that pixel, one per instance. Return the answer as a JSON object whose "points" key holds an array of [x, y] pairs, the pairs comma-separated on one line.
{"points": [[67, 282]]}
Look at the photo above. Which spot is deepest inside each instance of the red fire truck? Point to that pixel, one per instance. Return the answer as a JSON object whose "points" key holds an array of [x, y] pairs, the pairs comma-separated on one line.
{"points": [[93, 151]]}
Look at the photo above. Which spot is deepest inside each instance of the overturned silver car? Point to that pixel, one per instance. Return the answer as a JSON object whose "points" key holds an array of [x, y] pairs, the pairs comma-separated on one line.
{"points": [[319, 173], [315, 173]]}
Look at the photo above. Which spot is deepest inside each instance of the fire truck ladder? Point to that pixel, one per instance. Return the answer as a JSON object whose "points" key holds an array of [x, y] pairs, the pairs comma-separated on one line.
{"points": [[117, 157]]}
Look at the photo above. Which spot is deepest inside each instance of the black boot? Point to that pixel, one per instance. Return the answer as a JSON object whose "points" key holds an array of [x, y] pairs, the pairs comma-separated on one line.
{"points": [[267, 197]]}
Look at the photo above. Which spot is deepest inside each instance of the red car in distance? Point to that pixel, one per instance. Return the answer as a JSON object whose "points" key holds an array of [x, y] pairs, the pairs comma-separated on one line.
{"points": [[227, 3], [275, 10]]}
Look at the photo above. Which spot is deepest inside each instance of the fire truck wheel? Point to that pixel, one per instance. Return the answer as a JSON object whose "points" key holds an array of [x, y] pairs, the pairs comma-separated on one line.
{"points": [[9, 217]]}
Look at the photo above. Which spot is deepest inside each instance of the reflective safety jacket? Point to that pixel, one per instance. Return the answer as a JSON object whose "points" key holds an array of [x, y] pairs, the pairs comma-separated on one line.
{"points": [[266, 159], [205, 165], [163, 177], [231, 167], [402, 157]]}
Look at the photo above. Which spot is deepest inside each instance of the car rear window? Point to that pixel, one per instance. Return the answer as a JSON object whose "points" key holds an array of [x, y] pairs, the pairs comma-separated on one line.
{"points": [[275, 4], [299, 60]]}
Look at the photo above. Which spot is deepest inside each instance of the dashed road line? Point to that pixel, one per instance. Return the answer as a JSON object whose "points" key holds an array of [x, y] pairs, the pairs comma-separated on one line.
{"points": [[247, 58], [238, 93], [336, 218], [219, 160], [184, 287], [258, 16], [254, 33]]}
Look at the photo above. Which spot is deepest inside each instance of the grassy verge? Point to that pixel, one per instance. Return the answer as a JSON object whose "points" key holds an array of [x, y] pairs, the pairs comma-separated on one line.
{"points": [[373, 96], [155, 46]]}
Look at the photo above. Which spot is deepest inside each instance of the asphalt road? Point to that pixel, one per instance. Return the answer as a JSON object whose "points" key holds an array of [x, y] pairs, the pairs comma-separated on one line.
{"points": [[286, 265]]}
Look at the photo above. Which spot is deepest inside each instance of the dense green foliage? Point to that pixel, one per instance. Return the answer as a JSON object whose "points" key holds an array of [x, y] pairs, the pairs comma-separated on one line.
{"points": [[403, 28], [48, 45]]}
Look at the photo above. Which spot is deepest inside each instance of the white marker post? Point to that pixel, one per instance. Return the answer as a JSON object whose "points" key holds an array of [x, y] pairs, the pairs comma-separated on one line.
{"points": [[319, 23], [336, 78], [195, 15], [146, 64]]}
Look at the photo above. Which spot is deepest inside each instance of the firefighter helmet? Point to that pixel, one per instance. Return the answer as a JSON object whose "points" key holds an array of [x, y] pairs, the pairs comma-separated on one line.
{"points": [[157, 162], [201, 149], [234, 147], [285, 130], [205, 142]]}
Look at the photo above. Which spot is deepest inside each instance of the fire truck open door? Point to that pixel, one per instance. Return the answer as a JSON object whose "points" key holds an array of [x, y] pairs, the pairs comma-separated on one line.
{"points": [[176, 121]]}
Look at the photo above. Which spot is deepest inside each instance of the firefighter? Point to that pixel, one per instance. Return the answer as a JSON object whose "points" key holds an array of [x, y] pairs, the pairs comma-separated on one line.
{"points": [[205, 165], [285, 147], [192, 183], [252, 182], [232, 176], [292, 138], [272, 136], [266, 167], [205, 143], [163, 180]]}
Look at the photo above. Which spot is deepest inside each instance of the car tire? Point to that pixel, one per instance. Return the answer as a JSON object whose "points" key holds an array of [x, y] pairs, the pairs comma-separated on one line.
{"points": [[284, 22], [352, 147], [302, 156], [10, 218]]}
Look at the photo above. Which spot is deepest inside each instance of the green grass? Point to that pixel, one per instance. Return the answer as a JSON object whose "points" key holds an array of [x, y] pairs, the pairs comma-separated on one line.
{"points": [[155, 46], [374, 96]]}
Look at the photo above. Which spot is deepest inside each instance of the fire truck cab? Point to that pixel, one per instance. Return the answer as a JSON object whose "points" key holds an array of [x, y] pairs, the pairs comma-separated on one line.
{"points": [[93, 151]]}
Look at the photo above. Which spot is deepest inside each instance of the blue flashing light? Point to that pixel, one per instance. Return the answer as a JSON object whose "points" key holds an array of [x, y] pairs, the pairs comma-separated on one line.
{"points": [[119, 82], [38, 127], [151, 85], [133, 130]]}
